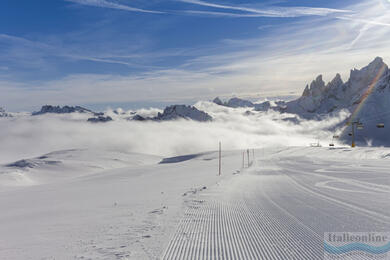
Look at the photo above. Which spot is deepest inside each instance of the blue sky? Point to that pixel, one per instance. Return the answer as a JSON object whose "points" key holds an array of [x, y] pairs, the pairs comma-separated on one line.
{"points": [[130, 53]]}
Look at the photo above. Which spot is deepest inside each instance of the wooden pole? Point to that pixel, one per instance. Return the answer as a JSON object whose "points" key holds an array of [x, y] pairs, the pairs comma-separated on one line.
{"points": [[243, 159], [247, 151], [220, 159]]}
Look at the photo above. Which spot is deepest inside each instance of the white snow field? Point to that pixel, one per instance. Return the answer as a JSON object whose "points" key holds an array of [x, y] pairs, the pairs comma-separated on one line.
{"points": [[89, 204], [281, 206], [84, 204]]}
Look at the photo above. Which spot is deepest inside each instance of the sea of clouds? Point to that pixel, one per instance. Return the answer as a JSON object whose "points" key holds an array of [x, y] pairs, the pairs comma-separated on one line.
{"points": [[30, 136]]}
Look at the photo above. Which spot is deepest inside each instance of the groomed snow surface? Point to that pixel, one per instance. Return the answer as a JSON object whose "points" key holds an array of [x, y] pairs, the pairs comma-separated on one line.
{"points": [[88, 204]]}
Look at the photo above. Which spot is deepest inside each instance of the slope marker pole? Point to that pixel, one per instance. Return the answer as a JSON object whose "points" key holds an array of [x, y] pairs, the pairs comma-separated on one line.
{"points": [[247, 151], [220, 161], [243, 159]]}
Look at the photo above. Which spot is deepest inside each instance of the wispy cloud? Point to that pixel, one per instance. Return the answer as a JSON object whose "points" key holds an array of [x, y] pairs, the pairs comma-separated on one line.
{"points": [[30, 53], [265, 12], [278, 63], [224, 14], [229, 7], [372, 14], [112, 5], [245, 10], [364, 21]]}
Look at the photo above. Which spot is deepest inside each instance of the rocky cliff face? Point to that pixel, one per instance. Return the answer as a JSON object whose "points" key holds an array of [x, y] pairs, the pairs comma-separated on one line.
{"points": [[3, 113], [366, 94], [322, 99], [62, 110], [183, 111]]}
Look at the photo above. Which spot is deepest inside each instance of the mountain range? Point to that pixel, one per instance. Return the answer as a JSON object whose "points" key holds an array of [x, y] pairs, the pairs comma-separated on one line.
{"points": [[366, 95]]}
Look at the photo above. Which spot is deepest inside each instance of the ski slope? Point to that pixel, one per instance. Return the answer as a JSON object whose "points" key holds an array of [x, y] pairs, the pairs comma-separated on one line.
{"points": [[99, 204], [112, 205], [281, 206]]}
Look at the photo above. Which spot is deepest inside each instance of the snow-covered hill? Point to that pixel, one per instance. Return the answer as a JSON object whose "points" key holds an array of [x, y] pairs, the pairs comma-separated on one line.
{"points": [[104, 204]]}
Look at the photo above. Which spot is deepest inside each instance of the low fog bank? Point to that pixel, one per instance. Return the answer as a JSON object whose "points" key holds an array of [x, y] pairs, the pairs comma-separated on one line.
{"points": [[26, 136]]}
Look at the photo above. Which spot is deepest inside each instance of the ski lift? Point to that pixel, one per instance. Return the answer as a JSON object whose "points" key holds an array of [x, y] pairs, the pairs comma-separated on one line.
{"points": [[381, 125], [334, 137], [360, 126]]}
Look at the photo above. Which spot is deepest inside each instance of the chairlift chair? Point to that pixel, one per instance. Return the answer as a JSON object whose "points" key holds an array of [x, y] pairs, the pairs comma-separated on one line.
{"points": [[380, 125]]}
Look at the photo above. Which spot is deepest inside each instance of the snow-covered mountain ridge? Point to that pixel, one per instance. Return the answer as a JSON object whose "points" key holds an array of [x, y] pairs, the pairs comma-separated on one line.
{"points": [[321, 98], [172, 112], [366, 95], [63, 110], [177, 112]]}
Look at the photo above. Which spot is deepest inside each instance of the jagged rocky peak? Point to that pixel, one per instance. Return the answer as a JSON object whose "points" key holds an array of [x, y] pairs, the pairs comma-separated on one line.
{"points": [[318, 82], [335, 82], [306, 91], [366, 75], [317, 87], [218, 101], [62, 110], [3, 113], [376, 64], [183, 111]]}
